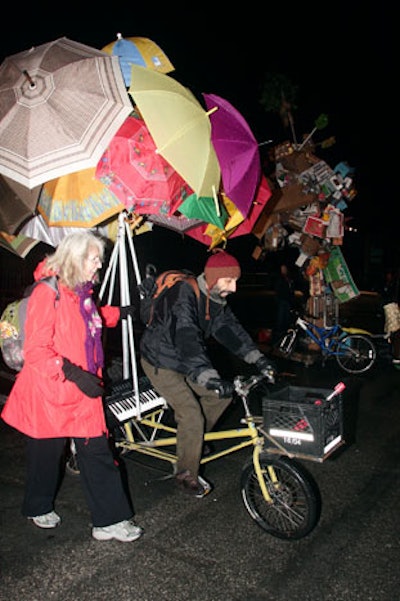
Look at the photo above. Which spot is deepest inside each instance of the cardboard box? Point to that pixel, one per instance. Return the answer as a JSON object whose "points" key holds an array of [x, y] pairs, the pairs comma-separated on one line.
{"points": [[303, 422]]}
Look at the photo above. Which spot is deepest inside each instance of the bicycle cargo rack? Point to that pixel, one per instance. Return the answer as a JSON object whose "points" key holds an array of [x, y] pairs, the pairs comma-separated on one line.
{"points": [[302, 422]]}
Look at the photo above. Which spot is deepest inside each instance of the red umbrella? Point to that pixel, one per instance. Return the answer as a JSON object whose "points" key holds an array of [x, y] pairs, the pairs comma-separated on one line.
{"points": [[213, 236], [142, 179]]}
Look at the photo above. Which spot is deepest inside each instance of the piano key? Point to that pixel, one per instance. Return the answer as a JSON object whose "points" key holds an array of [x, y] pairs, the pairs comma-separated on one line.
{"points": [[124, 406]]}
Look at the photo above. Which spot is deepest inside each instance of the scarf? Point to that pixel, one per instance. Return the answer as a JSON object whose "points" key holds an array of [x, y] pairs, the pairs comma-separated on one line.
{"points": [[92, 320]]}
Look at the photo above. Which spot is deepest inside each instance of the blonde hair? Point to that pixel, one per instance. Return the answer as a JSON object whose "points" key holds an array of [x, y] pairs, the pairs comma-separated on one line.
{"points": [[67, 261]]}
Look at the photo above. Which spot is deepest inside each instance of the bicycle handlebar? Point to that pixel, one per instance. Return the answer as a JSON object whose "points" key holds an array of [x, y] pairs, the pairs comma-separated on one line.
{"points": [[243, 384]]}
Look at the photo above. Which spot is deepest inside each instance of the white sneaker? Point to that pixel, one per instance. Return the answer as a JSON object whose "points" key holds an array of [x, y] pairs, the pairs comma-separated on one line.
{"points": [[125, 531], [47, 520]]}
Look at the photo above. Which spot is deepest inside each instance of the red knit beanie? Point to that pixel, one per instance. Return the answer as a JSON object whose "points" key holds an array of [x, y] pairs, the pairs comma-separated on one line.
{"points": [[220, 265]]}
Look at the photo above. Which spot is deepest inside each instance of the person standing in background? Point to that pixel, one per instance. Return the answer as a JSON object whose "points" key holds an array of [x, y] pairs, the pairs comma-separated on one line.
{"points": [[284, 301], [390, 302]]}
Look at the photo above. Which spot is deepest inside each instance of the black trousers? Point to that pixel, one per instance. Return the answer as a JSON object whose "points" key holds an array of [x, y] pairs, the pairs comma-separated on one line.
{"points": [[100, 477]]}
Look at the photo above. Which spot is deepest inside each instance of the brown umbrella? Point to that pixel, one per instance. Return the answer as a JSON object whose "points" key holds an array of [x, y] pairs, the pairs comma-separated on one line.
{"points": [[60, 105], [17, 203]]}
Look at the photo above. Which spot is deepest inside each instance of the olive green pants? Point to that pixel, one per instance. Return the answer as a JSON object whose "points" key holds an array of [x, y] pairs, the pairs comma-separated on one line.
{"points": [[196, 410]]}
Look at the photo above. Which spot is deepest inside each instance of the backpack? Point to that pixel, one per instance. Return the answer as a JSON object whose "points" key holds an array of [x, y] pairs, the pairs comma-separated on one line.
{"points": [[12, 325], [153, 289]]}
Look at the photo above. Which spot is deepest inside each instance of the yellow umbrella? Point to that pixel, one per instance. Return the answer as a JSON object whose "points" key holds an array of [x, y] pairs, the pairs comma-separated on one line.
{"points": [[138, 51], [180, 127], [77, 200]]}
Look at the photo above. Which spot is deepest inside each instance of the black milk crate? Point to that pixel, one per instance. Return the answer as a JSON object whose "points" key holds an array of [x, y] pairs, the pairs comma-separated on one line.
{"points": [[303, 422]]}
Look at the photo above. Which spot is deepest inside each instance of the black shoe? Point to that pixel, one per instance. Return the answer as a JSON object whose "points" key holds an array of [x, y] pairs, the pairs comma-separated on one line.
{"points": [[199, 488]]}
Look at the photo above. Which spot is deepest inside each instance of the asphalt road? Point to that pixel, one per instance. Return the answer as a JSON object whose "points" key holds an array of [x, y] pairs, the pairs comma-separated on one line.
{"points": [[210, 549]]}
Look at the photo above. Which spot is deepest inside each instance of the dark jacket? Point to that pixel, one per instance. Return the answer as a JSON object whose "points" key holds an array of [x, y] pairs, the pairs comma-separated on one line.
{"points": [[176, 337]]}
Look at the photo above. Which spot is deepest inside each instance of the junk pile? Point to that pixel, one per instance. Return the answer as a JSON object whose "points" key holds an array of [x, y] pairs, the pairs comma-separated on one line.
{"points": [[306, 211]]}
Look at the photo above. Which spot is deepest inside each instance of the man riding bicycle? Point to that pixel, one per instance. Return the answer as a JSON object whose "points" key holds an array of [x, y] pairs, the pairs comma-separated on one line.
{"points": [[176, 361]]}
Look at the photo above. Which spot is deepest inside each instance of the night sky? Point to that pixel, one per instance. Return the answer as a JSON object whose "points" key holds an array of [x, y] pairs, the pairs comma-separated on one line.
{"points": [[339, 54]]}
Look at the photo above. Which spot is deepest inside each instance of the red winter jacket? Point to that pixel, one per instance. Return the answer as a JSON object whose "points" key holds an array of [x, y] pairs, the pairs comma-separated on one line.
{"points": [[42, 403]]}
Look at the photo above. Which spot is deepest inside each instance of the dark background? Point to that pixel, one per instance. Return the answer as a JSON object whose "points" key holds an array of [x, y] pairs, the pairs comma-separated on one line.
{"points": [[339, 54]]}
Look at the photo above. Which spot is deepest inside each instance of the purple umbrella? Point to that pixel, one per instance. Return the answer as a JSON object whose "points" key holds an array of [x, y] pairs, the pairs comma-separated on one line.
{"points": [[237, 152]]}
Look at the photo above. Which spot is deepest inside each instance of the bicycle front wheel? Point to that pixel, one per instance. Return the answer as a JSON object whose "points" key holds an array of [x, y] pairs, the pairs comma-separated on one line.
{"points": [[295, 505], [356, 353]]}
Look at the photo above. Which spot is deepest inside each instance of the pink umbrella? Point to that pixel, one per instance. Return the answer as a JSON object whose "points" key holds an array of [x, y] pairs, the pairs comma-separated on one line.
{"points": [[237, 152], [140, 177]]}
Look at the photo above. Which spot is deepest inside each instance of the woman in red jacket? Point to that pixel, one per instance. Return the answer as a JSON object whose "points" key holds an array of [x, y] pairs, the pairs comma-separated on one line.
{"points": [[58, 393]]}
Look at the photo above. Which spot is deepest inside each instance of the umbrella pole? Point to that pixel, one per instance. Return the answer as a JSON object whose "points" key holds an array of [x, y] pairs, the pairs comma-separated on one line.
{"points": [[110, 273], [119, 258]]}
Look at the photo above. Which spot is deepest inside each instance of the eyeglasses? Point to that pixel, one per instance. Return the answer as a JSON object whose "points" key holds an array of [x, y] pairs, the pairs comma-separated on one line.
{"points": [[95, 259]]}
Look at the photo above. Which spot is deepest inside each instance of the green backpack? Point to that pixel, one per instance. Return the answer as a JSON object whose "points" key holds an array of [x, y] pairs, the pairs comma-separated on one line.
{"points": [[12, 325]]}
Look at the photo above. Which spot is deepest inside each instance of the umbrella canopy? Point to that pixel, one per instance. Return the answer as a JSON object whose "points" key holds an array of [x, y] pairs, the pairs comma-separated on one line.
{"points": [[77, 200], [19, 245], [37, 229], [207, 209], [176, 223], [180, 127], [138, 51], [17, 203], [142, 179], [236, 224], [237, 152], [60, 105]]}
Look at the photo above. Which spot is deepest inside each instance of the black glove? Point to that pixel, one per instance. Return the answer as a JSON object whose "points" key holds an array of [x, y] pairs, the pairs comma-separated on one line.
{"points": [[266, 368], [128, 310], [223, 388], [89, 383]]}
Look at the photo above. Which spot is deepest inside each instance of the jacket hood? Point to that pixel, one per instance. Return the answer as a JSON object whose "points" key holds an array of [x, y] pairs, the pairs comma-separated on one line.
{"points": [[41, 271]]}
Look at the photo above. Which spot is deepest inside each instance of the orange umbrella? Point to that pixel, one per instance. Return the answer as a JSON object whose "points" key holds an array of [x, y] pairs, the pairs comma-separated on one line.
{"points": [[77, 200]]}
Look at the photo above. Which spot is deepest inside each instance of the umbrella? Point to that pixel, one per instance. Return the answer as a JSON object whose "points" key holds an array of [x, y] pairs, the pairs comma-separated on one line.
{"points": [[180, 128], [176, 223], [60, 105], [17, 203], [37, 229], [204, 208], [142, 179], [138, 51], [77, 200], [236, 224], [19, 245], [237, 152]]}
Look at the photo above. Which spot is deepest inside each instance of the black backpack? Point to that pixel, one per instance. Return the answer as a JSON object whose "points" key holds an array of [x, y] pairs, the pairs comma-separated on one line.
{"points": [[153, 288]]}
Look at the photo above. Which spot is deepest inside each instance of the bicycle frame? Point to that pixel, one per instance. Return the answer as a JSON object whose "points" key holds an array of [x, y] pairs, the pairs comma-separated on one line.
{"points": [[326, 338], [248, 435]]}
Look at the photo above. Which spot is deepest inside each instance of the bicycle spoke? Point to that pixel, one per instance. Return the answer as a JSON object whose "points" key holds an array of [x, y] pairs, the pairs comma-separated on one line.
{"points": [[293, 510]]}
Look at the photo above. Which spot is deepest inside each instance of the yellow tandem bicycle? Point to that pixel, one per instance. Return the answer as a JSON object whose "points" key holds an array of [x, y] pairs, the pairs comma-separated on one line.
{"points": [[278, 492]]}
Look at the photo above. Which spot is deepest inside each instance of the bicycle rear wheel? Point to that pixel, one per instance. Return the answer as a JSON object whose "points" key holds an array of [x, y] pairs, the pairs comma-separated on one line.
{"points": [[356, 353], [295, 504]]}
